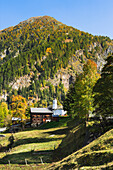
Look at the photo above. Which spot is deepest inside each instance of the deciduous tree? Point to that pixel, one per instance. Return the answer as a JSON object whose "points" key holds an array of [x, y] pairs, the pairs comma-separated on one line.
{"points": [[3, 113], [18, 107], [79, 99]]}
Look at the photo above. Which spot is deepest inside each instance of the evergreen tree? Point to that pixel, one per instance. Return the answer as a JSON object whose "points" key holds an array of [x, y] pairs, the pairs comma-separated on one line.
{"points": [[69, 100], [104, 90]]}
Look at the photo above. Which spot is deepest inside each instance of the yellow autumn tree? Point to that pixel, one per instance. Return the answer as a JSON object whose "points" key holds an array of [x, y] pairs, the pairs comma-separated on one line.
{"points": [[3, 113], [48, 50], [18, 108]]}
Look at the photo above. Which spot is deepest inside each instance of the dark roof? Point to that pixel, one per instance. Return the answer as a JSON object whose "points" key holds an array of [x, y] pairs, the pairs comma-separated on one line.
{"points": [[41, 110]]}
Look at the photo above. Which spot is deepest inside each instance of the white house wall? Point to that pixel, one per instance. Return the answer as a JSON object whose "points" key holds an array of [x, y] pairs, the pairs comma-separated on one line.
{"points": [[59, 112]]}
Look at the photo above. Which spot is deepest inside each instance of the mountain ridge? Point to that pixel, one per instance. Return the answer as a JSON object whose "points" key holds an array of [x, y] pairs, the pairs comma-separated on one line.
{"points": [[51, 52]]}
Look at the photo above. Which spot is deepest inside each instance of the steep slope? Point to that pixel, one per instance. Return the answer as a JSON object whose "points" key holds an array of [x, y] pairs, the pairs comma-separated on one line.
{"points": [[96, 155], [50, 54], [73, 141]]}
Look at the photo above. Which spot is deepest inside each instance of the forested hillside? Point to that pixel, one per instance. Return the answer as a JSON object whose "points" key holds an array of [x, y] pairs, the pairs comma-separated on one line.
{"points": [[40, 57]]}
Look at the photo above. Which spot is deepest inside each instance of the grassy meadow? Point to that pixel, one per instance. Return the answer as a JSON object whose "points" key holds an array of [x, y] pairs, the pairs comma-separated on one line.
{"points": [[59, 145], [33, 147]]}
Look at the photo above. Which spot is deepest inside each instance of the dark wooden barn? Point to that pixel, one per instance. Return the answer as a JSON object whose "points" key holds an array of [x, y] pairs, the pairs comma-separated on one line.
{"points": [[40, 115]]}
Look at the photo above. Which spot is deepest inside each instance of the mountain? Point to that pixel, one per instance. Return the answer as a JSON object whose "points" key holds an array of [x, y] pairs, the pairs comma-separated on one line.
{"points": [[40, 57]]}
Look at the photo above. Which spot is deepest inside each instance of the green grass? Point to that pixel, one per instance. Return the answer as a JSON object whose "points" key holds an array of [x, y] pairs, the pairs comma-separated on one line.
{"points": [[73, 141], [96, 155], [54, 141], [61, 123], [33, 145]]}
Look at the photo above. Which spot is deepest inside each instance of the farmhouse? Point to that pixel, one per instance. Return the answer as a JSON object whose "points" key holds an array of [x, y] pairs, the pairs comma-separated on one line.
{"points": [[43, 115], [40, 115]]}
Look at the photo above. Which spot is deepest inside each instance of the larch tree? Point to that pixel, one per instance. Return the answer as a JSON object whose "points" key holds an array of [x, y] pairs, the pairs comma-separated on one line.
{"points": [[18, 108], [4, 113], [79, 99]]}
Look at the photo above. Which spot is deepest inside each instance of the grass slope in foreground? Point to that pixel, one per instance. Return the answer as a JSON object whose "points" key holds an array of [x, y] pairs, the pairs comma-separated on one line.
{"points": [[96, 155], [35, 145]]}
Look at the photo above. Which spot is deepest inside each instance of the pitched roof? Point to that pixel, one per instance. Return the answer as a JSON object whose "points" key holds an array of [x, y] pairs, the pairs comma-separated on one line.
{"points": [[40, 110]]}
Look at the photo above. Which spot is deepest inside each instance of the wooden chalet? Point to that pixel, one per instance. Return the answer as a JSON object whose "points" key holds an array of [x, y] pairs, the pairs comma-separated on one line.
{"points": [[40, 115]]}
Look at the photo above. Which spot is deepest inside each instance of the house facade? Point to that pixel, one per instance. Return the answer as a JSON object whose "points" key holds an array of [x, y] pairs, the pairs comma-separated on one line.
{"points": [[40, 115], [43, 115]]}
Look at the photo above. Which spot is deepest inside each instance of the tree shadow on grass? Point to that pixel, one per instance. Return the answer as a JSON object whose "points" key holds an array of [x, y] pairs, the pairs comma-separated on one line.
{"points": [[59, 131], [97, 159], [4, 149], [34, 140], [32, 157], [42, 140], [28, 141], [107, 144]]}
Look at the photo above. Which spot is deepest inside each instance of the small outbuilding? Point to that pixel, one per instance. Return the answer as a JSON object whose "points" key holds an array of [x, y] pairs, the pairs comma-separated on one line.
{"points": [[40, 115]]}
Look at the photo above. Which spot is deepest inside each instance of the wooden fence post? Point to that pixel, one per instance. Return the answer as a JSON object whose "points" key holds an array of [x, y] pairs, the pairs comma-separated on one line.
{"points": [[41, 160], [26, 161]]}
